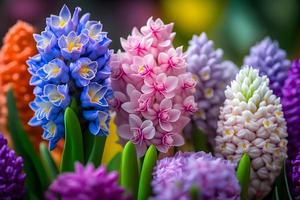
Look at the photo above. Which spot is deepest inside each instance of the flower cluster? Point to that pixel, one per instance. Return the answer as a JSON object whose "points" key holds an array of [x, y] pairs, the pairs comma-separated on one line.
{"points": [[213, 74], [72, 62], [173, 177], [294, 167], [271, 61], [18, 45], [152, 90], [291, 107], [86, 183], [12, 178], [251, 121]]}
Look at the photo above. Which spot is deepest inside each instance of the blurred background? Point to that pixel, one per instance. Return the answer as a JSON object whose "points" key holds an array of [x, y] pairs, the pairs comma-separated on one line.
{"points": [[234, 25]]}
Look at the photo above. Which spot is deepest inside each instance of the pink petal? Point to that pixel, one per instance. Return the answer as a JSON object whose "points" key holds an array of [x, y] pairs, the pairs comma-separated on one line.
{"points": [[124, 43], [130, 107], [178, 140], [163, 58], [134, 121], [149, 114], [149, 132], [124, 131], [146, 89], [165, 104], [171, 83], [162, 148], [166, 126], [141, 149], [149, 60], [161, 78], [174, 115]]}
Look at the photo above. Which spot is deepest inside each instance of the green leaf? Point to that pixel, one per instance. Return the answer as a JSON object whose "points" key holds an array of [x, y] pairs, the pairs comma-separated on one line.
{"points": [[48, 162], [243, 175], [194, 193], [282, 185], [275, 194], [95, 156], [130, 170], [199, 139], [88, 141], [149, 162], [73, 147], [114, 164], [36, 181]]}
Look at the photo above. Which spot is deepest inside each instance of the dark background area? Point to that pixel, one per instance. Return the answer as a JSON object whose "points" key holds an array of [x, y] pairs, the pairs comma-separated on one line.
{"points": [[234, 25]]}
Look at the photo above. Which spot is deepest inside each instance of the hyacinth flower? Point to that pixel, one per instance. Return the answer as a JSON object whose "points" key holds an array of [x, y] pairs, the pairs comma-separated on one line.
{"points": [[12, 178], [86, 183], [251, 121], [18, 45], [270, 60], [72, 63], [175, 177], [153, 90], [291, 106], [294, 170], [212, 75]]}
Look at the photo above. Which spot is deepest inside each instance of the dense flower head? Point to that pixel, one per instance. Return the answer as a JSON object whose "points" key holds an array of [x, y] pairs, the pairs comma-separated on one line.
{"points": [[291, 107], [18, 45], [294, 173], [251, 121], [12, 178], [72, 63], [212, 74], [173, 177], [86, 183], [270, 60], [153, 90]]}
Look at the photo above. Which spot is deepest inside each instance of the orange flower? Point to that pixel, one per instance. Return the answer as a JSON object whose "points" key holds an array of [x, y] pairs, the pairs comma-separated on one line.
{"points": [[18, 46]]}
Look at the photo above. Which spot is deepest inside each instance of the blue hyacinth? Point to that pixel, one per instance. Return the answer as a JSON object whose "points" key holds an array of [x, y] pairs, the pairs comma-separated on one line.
{"points": [[72, 63]]}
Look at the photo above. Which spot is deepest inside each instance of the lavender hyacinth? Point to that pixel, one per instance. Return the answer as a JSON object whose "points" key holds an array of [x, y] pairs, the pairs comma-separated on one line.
{"points": [[86, 183], [11, 176], [291, 108], [295, 176], [271, 61], [212, 74], [173, 177]]}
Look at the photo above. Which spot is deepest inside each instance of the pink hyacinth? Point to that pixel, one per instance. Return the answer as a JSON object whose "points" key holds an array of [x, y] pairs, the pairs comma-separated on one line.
{"points": [[153, 90]]}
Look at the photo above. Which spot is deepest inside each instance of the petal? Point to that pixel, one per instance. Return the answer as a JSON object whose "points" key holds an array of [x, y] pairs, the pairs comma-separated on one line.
{"points": [[124, 131], [171, 83], [178, 140], [174, 115], [149, 132], [130, 107], [165, 104], [141, 149], [134, 121], [166, 126]]}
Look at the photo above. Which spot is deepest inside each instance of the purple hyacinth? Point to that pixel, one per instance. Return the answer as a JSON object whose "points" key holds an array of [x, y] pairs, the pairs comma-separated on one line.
{"points": [[86, 183], [173, 177], [11, 176], [270, 60], [212, 75], [291, 108], [294, 167]]}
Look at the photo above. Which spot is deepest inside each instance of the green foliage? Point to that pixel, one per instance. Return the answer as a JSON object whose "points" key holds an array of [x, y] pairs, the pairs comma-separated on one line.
{"points": [[48, 162], [282, 185], [73, 147], [130, 170], [243, 175], [114, 164], [36, 180], [95, 156], [149, 162]]}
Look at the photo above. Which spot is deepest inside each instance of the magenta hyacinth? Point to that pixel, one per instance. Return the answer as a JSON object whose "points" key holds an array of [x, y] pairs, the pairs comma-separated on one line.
{"points": [[12, 178], [291, 108], [153, 90], [270, 60], [212, 74], [86, 183], [173, 177]]}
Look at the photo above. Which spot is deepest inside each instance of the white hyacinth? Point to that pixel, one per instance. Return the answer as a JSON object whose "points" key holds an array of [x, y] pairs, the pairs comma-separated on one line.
{"points": [[251, 121]]}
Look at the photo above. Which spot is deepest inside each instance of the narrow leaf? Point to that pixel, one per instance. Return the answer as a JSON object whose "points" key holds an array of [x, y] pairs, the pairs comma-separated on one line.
{"points": [[95, 156], [114, 164], [200, 141], [194, 193], [130, 170], [36, 181], [48, 162], [282, 185], [243, 175], [73, 147], [146, 174]]}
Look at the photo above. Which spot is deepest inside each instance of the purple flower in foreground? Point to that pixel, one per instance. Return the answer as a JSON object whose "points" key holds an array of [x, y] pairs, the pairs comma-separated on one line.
{"points": [[294, 168], [291, 108], [86, 183], [271, 61], [173, 177], [11, 176]]}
